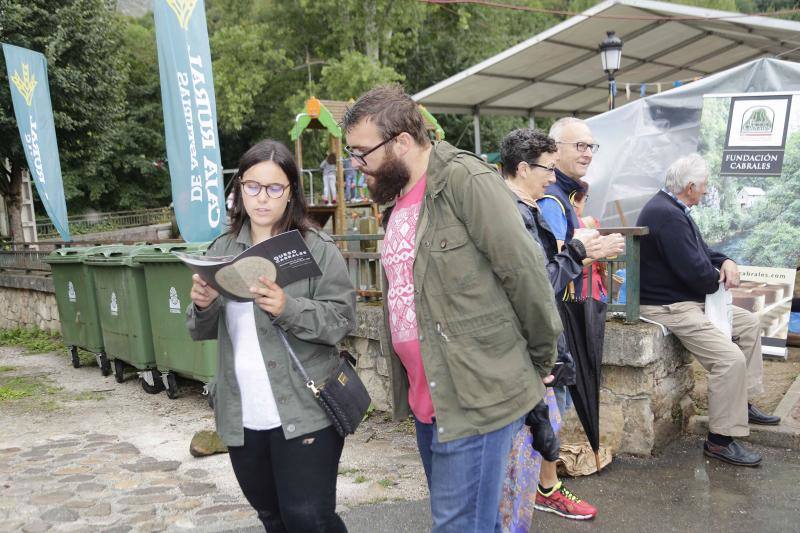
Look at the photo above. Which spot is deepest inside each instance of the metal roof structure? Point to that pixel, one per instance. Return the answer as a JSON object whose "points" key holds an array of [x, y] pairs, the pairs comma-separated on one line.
{"points": [[558, 71]]}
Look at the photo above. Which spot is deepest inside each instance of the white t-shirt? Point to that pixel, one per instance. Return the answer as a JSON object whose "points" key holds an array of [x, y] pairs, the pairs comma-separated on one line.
{"points": [[259, 410]]}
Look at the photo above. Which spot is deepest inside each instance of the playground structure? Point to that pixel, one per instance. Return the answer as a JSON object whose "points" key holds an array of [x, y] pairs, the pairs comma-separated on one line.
{"points": [[328, 115]]}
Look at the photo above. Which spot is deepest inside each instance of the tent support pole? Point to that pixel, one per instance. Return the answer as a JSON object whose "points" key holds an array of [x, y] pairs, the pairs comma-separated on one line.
{"points": [[476, 126]]}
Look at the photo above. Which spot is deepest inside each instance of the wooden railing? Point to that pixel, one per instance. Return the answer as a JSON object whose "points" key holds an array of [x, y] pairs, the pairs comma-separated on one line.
{"points": [[631, 261], [361, 252]]}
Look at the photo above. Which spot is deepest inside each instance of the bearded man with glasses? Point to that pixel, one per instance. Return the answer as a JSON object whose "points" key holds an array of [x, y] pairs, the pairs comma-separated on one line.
{"points": [[468, 344]]}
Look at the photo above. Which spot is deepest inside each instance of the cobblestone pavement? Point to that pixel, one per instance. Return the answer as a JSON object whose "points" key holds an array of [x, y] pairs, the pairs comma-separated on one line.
{"points": [[97, 482], [80, 452]]}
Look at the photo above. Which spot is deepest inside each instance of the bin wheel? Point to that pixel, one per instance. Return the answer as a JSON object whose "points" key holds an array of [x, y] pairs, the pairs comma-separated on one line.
{"points": [[73, 352], [157, 386], [105, 364], [172, 386], [119, 370]]}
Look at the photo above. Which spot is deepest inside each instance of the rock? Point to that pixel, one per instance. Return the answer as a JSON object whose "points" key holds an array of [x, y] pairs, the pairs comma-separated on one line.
{"points": [[90, 487], [123, 448], [10, 451], [147, 499], [197, 489], [186, 504], [151, 490], [96, 437], [118, 529], [152, 465], [69, 470], [197, 473], [76, 478], [50, 498], [79, 504], [59, 514], [206, 443], [126, 484], [99, 509], [36, 527], [224, 508]]}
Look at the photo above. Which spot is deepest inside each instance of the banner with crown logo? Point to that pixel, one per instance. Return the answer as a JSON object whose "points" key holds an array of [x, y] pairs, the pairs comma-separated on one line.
{"points": [[190, 118], [30, 94]]}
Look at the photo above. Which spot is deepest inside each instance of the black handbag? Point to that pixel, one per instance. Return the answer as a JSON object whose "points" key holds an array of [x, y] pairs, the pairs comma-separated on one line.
{"points": [[343, 396]]}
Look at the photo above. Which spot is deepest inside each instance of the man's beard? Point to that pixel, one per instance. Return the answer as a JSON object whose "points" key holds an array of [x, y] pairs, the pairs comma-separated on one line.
{"points": [[388, 180]]}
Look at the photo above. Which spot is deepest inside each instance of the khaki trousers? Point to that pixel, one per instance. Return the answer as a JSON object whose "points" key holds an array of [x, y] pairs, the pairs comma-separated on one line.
{"points": [[734, 368]]}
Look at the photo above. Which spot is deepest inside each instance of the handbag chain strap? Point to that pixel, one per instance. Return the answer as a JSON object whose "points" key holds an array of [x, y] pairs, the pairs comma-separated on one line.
{"points": [[296, 361]]}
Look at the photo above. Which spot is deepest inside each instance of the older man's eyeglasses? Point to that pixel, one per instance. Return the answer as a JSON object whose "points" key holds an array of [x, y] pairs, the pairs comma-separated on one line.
{"points": [[253, 188], [582, 147], [361, 156]]}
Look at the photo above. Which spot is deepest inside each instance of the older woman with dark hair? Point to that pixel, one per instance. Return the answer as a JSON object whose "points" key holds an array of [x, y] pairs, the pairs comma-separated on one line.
{"points": [[283, 449], [529, 161]]}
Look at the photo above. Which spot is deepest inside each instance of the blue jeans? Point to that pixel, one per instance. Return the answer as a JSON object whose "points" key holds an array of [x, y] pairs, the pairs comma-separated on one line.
{"points": [[465, 477], [563, 399]]}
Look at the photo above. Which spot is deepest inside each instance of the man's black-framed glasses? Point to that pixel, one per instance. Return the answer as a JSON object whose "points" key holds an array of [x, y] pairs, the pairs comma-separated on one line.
{"points": [[361, 157], [253, 188], [551, 168], [582, 147]]}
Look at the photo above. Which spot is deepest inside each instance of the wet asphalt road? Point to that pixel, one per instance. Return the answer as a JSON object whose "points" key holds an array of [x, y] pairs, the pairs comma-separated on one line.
{"points": [[679, 491]]}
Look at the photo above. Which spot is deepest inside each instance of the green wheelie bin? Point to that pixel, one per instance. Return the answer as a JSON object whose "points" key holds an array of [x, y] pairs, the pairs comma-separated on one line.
{"points": [[169, 282], [124, 315], [77, 307]]}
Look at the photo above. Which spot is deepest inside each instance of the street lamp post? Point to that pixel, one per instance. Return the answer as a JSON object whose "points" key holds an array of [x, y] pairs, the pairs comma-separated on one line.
{"points": [[611, 56]]}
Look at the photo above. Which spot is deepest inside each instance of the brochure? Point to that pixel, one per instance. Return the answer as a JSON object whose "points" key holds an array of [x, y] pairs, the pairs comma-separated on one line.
{"points": [[284, 259]]}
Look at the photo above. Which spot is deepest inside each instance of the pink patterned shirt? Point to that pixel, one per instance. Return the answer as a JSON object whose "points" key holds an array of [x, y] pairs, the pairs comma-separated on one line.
{"points": [[397, 257]]}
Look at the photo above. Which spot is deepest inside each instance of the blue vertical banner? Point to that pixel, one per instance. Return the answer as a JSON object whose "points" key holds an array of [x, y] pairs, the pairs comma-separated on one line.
{"points": [[190, 118], [30, 94]]}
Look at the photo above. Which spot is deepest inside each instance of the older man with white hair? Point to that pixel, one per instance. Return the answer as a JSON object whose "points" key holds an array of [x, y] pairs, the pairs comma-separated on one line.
{"points": [[678, 271]]}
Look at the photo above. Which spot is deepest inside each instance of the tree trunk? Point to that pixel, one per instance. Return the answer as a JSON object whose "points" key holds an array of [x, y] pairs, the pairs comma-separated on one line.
{"points": [[13, 198], [372, 38]]}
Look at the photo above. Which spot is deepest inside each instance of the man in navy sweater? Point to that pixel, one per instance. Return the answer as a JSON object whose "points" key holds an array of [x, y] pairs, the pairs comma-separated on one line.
{"points": [[678, 271]]}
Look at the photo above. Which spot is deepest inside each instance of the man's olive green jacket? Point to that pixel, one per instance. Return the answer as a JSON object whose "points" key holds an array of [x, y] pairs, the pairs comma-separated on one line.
{"points": [[487, 318]]}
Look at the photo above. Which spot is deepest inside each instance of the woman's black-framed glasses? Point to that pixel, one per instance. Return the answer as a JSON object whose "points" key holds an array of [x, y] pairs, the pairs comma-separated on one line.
{"points": [[547, 169], [253, 188], [361, 157]]}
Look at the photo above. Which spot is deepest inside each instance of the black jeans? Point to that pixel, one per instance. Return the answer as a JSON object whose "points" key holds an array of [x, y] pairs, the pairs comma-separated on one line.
{"points": [[291, 483]]}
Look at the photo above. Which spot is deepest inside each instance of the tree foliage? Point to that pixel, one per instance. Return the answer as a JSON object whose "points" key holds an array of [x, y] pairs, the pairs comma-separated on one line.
{"points": [[268, 56]]}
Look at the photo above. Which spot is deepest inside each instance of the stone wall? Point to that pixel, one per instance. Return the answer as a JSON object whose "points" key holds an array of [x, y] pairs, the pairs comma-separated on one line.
{"points": [[26, 302], [373, 364], [646, 377], [644, 394]]}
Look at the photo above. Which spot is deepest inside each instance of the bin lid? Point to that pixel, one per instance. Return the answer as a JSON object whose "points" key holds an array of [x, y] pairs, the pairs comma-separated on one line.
{"points": [[71, 254], [162, 253], [114, 255]]}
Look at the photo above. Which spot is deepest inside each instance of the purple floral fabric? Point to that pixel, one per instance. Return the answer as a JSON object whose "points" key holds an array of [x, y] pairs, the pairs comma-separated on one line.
{"points": [[522, 475]]}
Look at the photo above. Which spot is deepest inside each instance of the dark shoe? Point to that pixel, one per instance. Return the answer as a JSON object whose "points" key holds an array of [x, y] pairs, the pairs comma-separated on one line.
{"points": [[757, 416], [734, 453]]}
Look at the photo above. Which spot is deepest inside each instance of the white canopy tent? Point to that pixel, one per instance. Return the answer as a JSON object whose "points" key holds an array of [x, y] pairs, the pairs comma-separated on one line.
{"points": [[558, 71], [640, 140]]}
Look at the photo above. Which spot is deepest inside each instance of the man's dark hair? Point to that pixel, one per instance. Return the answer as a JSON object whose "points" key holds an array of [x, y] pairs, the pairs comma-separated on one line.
{"points": [[392, 111], [524, 144]]}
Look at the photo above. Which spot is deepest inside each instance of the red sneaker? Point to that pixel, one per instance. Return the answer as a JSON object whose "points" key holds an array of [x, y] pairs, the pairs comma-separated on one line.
{"points": [[563, 503]]}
